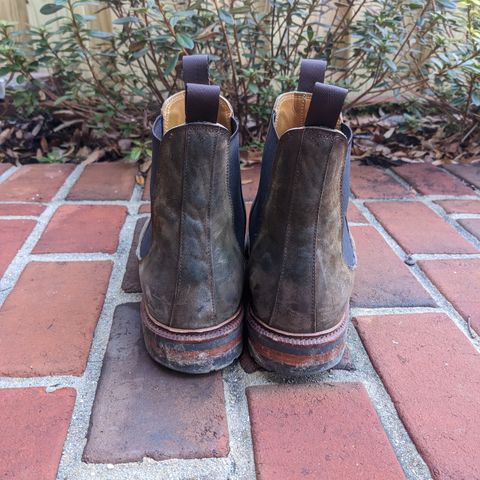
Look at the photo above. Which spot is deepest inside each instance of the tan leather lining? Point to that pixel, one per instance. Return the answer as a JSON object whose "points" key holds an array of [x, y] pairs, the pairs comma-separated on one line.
{"points": [[291, 111], [173, 112]]}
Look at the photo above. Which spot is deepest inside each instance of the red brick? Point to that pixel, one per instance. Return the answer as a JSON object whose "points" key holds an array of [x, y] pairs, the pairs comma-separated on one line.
{"points": [[142, 409], [131, 279], [13, 234], [47, 321], [460, 206], [418, 229], [250, 179], [145, 208], [458, 280], [248, 210], [432, 373], [431, 180], [34, 183], [382, 279], [372, 182], [83, 228], [469, 173], [4, 167], [472, 225], [10, 209], [318, 431], [105, 181], [354, 215], [34, 426]]}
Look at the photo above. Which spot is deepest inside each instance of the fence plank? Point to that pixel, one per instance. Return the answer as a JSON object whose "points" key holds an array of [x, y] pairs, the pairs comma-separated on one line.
{"points": [[15, 11]]}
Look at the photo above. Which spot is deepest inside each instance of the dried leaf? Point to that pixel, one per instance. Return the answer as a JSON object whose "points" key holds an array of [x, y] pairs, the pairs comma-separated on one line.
{"points": [[145, 166], [124, 144], [96, 155], [67, 124], [5, 135], [37, 128], [389, 133], [44, 145]]}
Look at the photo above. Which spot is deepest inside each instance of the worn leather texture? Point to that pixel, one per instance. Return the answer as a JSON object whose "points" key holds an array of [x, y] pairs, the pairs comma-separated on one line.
{"points": [[298, 278], [192, 275]]}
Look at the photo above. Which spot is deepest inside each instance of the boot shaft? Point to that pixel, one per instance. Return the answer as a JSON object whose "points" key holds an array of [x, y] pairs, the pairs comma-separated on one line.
{"points": [[302, 256], [192, 263]]}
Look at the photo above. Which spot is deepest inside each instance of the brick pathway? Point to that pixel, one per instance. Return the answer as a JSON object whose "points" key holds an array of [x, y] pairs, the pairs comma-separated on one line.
{"points": [[80, 399]]}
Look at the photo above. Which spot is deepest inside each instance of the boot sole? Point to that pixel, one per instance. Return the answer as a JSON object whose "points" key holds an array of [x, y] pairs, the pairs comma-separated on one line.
{"points": [[194, 352], [297, 355]]}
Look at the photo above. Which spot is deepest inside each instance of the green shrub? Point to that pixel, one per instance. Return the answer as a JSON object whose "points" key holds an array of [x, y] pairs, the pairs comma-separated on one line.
{"points": [[427, 51]]}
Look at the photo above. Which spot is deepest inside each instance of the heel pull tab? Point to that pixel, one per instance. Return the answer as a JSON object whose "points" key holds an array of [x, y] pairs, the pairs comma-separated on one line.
{"points": [[311, 71], [195, 69], [201, 103], [325, 106]]}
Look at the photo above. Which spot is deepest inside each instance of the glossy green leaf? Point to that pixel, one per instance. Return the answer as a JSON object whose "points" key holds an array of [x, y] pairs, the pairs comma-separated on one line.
{"points": [[50, 8], [185, 41]]}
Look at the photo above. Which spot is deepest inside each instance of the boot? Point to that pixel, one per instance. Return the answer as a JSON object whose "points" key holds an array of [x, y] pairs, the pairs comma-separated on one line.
{"points": [[302, 258], [191, 252]]}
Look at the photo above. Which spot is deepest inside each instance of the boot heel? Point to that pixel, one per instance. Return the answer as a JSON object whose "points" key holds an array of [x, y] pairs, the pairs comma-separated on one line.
{"points": [[194, 352], [295, 355]]}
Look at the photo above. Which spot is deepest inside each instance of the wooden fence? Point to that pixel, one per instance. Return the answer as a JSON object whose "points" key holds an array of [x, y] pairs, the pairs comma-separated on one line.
{"points": [[27, 12]]}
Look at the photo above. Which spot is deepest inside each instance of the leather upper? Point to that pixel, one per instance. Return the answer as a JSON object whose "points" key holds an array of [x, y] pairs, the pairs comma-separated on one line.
{"points": [[299, 279], [192, 270]]}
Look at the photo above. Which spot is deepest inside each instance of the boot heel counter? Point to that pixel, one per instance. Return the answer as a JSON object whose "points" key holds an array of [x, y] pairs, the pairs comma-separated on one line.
{"points": [[193, 234], [303, 285]]}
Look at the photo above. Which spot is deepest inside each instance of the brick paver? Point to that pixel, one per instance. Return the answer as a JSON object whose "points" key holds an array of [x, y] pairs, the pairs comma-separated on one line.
{"points": [[34, 425], [83, 228], [324, 431], [250, 179], [131, 279], [10, 209], [472, 225], [13, 234], [4, 167], [142, 409], [432, 373], [47, 322], [146, 188], [354, 215], [147, 422], [34, 183], [460, 206], [371, 182], [470, 173], [418, 229], [145, 208], [430, 180], [382, 279], [105, 181], [459, 281]]}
